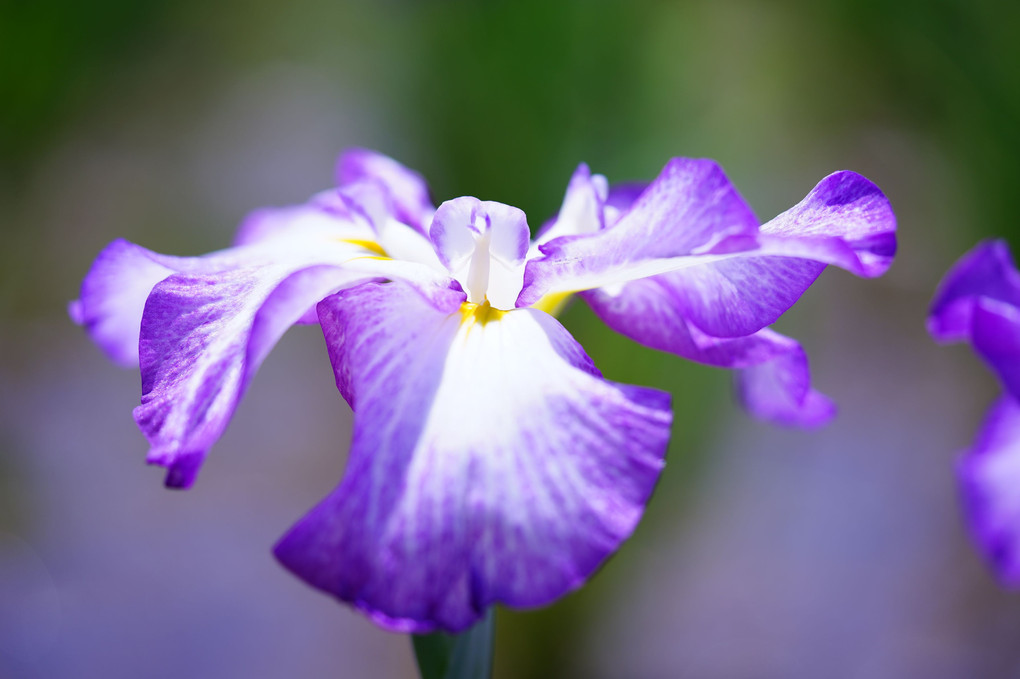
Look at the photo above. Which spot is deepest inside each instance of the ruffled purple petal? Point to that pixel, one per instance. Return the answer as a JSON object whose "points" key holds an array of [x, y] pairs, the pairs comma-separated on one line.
{"points": [[691, 208], [490, 464], [406, 189], [202, 338], [845, 220], [989, 477], [773, 382], [747, 281], [986, 271]]}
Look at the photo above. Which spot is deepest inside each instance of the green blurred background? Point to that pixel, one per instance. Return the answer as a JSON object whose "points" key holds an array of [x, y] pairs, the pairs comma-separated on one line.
{"points": [[764, 554]]}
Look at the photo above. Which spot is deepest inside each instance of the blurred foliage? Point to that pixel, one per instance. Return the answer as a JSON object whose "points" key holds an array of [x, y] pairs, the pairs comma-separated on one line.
{"points": [[53, 53]]}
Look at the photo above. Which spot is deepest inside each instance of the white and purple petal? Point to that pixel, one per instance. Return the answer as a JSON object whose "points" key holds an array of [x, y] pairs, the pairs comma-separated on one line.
{"points": [[989, 478], [691, 208], [491, 464], [113, 295], [203, 336], [747, 282], [845, 220]]}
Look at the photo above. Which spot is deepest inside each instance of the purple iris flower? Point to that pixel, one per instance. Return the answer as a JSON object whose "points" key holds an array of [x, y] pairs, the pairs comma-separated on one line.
{"points": [[490, 461], [978, 301]]}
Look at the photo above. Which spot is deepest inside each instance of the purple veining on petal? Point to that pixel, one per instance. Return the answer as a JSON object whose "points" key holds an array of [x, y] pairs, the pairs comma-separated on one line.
{"points": [[989, 478], [691, 208], [774, 382], [202, 338], [113, 296], [490, 464], [749, 278], [845, 220], [405, 187]]}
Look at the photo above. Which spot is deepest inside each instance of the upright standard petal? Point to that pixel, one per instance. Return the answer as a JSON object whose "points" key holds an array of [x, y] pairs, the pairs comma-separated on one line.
{"points": [[989, 476], [490, 464], [483, 244]]}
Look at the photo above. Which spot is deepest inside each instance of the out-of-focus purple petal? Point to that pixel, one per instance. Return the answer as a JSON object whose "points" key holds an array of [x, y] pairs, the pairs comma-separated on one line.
{"points": [[989, 477], [691, 208], [774, 383], [986, 271], [622, 196], [202, 338], [978, 301], [326, 212], [406, 188], [995, 336], [490, 464]]}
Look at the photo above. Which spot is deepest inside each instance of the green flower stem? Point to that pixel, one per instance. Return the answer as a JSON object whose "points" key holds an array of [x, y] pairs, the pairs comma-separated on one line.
{"points": [[467, 655]]}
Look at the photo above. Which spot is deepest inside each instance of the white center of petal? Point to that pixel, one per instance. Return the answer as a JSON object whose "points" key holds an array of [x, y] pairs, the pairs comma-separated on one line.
{"points": [[478, 271]]}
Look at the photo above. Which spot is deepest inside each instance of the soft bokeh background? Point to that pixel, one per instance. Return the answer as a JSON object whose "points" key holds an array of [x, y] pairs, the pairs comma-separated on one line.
{"points": [[765, 553]]}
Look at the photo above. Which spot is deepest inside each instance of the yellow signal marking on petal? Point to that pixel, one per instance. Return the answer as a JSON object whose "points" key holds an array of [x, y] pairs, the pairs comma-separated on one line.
{"points": [[370, 245], [479, 313], [552, 303]]}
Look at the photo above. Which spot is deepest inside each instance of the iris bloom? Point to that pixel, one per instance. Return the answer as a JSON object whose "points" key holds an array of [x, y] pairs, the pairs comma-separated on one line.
{"points": [[978, 302], [490, 460]]}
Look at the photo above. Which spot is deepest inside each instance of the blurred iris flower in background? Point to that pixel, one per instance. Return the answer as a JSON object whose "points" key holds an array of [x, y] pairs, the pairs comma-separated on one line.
{"points": [[978, 302], [490, 462]]}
